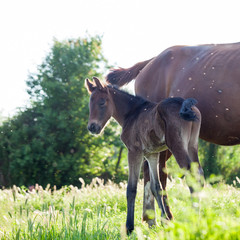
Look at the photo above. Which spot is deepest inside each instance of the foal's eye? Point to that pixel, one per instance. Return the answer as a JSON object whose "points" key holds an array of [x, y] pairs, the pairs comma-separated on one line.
{"points": [[102, 102]]}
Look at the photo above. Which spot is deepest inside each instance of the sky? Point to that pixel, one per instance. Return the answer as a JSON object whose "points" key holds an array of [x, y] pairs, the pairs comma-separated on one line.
{"points": [[131, 30]]}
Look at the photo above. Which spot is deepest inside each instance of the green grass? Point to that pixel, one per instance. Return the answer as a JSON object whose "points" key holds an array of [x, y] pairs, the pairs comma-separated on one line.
{"points": [[98, 211]]}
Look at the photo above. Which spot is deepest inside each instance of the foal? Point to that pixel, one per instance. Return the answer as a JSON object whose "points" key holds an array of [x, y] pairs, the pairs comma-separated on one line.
{"points": [[147, 129]]}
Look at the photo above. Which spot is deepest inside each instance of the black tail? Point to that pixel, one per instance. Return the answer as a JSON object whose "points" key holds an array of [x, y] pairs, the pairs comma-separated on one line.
{"points": [[186, 111]]}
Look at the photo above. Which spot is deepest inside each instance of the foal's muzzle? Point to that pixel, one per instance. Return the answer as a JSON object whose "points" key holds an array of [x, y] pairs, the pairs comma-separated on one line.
{"points": [[94, 128]]}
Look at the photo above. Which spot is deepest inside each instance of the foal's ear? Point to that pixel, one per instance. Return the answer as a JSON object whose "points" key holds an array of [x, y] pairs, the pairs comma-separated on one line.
{"points": [[89, 86], [98, 83]]}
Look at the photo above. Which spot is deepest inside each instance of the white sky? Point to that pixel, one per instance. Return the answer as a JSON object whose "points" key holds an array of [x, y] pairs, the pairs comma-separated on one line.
{"points": [[132, 30]]}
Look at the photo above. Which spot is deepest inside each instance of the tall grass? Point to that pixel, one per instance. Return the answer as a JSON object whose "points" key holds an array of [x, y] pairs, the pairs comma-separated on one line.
{"points": [[98, 211]]}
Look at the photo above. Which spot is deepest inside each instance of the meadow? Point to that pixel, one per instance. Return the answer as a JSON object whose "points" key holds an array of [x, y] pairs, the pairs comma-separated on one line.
{"points": [[98, 211]]}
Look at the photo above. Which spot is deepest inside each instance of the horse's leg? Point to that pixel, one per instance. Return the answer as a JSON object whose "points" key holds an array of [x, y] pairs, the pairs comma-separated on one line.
{"points": [[134, 162], [155, 183], [164, 156], [148, 198]]}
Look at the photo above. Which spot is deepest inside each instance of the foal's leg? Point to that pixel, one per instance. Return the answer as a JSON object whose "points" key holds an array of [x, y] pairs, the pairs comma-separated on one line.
{"points": [[183, 160], [164, 156], [183, 144], [155, 183], [134, 162], [193, 149], [148, 198]]}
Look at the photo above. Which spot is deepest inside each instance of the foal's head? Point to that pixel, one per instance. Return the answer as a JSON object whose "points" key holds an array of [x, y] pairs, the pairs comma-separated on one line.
{"points": [[100, 105]]}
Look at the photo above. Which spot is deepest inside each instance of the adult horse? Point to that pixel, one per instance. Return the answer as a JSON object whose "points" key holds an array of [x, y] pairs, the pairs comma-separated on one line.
{"points": [[208, 73]]}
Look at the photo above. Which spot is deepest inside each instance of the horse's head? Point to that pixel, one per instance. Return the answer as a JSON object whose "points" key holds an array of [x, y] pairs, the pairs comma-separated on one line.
{"points": [[100, 107]]}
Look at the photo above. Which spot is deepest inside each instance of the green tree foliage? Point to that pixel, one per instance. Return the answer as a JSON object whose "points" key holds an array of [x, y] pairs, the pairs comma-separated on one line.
{"points": [[49, 142], [220, 161]]}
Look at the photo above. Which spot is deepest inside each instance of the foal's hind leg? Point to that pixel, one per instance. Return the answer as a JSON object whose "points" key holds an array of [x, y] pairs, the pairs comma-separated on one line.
{"points": [[177, 141], [182, 142], [193, 150]]}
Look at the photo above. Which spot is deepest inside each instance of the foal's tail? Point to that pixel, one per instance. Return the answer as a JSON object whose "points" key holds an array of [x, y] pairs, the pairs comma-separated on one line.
{"points": [[123, 76], [186, 111]]}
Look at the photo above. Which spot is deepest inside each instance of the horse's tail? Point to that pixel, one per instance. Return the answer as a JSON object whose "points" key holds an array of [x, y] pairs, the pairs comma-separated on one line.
{"points": [[123, 76], [186, 111]]}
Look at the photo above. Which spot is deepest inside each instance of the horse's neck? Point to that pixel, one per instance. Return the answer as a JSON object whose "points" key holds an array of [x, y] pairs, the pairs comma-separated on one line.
{"points": [[121, 105]]}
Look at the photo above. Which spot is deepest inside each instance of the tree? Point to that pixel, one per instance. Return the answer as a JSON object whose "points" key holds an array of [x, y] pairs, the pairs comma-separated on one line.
{"points": [[49, 142]]}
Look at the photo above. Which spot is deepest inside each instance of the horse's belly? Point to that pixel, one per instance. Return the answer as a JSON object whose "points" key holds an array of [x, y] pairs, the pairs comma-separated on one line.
{"points": [[215, 128]]}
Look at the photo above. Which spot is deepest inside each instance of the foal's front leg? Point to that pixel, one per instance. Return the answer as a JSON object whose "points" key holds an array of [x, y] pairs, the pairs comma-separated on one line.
{"points": [[155, 183], [148, 198], [164, 156], [134, 163]]}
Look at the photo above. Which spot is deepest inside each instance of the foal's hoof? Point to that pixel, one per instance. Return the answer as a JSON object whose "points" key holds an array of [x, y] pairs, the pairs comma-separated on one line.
{"points": [[150, 222], [149, 217], [129, 231]]}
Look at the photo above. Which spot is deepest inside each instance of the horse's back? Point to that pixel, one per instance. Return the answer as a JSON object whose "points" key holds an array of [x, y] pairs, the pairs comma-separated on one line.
{"points": [[189, 64], [208, 73]]}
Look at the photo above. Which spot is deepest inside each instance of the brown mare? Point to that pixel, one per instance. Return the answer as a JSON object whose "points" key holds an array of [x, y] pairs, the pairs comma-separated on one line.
{"points": [[208, 73], [147, 129]]}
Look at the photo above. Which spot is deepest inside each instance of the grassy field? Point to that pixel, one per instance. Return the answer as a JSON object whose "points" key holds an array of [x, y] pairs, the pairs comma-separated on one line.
{"points": [[98, 211]]}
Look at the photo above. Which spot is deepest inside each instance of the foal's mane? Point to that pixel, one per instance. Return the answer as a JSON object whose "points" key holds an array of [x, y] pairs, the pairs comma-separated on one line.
{"points": [[136, 104]]}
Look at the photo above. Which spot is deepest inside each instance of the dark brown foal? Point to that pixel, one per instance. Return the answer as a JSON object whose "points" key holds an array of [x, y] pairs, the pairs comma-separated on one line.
{"points": [[147, 129]]}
